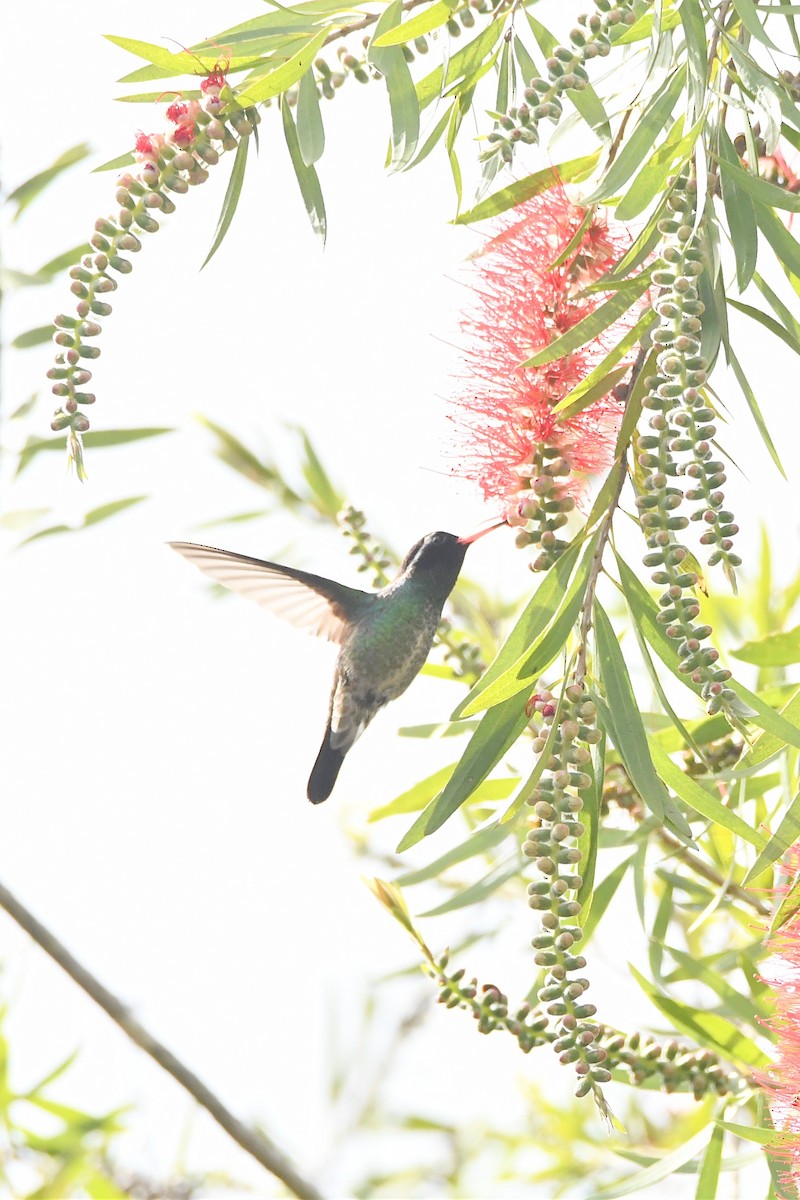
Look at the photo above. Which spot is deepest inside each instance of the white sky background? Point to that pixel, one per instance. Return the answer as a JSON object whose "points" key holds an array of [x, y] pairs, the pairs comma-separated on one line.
{"points": [[156, 744]]}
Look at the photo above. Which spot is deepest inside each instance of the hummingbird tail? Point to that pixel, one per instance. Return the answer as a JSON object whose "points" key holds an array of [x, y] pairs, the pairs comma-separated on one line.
{"points": [[325, 770]]}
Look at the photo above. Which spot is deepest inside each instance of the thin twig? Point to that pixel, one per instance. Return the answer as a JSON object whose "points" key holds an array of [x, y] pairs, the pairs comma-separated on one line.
{"points": [[719, 24], [250, 1140], [706, 871], [621, 466], [345, 31]]}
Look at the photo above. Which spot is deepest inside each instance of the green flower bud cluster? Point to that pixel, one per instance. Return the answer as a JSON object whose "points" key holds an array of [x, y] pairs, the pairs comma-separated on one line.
{"points": [[374, 557], [460, 651], [545, 504], [792, 84], [167, 170], [553, 844], [566, 71], [676, 1067], [681, 423], [329, 80], [489, 1006]]}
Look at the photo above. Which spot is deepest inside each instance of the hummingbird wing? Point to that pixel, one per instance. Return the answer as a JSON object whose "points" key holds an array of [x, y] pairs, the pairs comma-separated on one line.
{"points": [[309, 602]]}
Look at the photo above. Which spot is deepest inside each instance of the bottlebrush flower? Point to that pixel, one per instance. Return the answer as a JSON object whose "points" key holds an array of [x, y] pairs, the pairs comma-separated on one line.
{"points": [[520, 453], [782, 1080]]}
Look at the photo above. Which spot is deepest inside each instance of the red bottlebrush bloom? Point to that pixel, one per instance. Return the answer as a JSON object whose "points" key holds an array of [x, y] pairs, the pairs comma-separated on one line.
{"points": [[518, 450], [177, 111], [782, 1080], [183, 112], [214, 82], [183, 135], [148, 146]]}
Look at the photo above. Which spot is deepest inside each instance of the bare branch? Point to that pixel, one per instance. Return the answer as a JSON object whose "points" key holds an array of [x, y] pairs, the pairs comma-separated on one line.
{"points": [[250, 1139]]}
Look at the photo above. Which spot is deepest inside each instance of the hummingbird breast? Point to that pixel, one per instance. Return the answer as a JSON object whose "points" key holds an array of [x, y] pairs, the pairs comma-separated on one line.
{"points": [[380, 657]]}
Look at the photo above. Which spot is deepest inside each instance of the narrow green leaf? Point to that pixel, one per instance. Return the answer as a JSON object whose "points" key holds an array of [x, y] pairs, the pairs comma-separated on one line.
{"points": [[589, 841], [751, 1133], [787, 833], [433, 138], [310, 130], [476, 892], [498, 730], [526, 64], [536, 658], [403, 102], [768, 322], [416, 797], [104, 511], [775, 650], [741, 1008], [421, 23], [755, 411], [765, 716], [516, 193], [307, 178], [33, 337], [694, 32], [651, 181], [640, 142], [26, 192], [476, 844], [762, 191], [592, 325], [782, 726], [184, 62], [575, 401], [748, 14], [708, 1177], [659, 1170], [538, 614], [706, 804], [770, 744], [786, 247], [545, 40], [330, 500], [231, 200], [460, 65], [709, 1029], [504, 70], [626, 727], [284, 76], [647, 24], [116, 164], [741, 216], [102, 438], [784, 314], [788, 908], [604, 893]]}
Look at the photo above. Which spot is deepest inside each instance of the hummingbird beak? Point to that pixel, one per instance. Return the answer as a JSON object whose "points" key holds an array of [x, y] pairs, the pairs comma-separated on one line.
{"points": [[479, 533]]}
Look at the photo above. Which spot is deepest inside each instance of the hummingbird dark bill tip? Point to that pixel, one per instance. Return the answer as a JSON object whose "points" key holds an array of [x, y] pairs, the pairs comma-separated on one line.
{"points": [[479, 533]]}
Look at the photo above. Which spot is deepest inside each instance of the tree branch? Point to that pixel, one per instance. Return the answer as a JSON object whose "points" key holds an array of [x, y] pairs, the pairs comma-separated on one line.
{"points": [[707, 872], [620, 466], [250, 1139]]}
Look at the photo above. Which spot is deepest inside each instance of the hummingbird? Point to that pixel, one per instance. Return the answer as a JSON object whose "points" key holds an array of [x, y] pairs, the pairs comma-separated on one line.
{"points": [[384, 636]]}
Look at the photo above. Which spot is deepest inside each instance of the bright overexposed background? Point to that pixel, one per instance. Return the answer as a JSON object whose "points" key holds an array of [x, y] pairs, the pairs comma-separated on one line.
{"points": [[156, 744]]}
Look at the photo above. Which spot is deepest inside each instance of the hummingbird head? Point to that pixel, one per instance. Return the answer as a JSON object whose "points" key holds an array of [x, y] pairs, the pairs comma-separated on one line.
{"points": [[435, 551]]}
